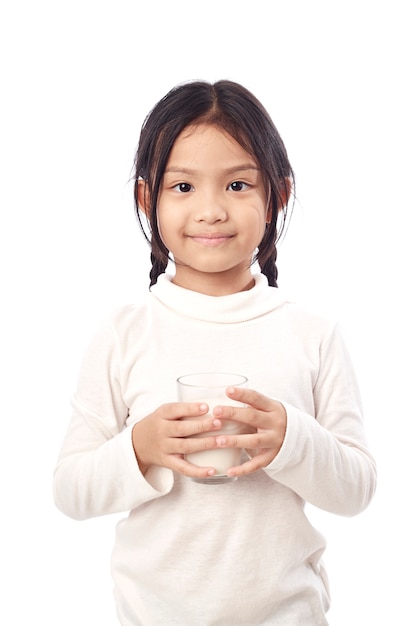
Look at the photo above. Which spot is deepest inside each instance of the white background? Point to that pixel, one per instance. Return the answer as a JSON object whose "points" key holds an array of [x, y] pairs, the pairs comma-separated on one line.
{"points": [[77, 80]]}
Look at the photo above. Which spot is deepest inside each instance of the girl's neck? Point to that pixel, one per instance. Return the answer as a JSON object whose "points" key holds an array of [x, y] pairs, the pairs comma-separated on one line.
{"points": [[215, 285]]}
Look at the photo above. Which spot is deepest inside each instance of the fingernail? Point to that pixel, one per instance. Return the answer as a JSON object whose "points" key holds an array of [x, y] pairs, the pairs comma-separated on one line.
{"points": [[203, 407], [217, 423], [220, 441]]}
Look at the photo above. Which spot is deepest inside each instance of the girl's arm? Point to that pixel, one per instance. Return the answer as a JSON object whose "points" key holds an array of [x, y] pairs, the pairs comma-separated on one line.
{"points": [[97, 472], [106, 466], [331, 470], [323, 457]]}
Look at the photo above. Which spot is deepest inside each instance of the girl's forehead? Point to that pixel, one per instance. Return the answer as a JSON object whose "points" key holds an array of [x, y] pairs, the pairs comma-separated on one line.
{"points": [[201, 140], [203, 129]]}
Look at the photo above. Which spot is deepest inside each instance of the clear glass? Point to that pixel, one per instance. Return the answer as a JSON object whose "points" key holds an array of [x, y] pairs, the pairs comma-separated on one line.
{"points": [[210, 387]]}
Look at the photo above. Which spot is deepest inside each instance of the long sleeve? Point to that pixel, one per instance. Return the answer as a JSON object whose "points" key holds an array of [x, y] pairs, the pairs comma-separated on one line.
{"points": [[324, 457], [97, 472]]}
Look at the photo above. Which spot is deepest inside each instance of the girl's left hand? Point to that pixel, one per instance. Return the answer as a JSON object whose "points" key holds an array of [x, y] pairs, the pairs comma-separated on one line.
{"points": [[267, 421]]}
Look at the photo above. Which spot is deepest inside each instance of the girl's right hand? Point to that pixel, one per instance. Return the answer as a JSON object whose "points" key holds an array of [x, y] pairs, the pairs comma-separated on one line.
{"points": [[164, 437]]}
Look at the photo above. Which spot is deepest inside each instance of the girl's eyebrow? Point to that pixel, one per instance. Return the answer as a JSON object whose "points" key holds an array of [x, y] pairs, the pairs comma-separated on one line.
{"points": [[175, 169]]}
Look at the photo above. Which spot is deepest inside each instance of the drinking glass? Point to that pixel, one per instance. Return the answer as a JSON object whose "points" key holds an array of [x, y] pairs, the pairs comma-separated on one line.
{"points": [[210, 387]]}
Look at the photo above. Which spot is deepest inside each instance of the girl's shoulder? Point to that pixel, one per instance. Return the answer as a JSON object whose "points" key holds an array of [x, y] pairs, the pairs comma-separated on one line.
{"points": [[129, 316], [121, 321], [308, 319], [305, 308]]}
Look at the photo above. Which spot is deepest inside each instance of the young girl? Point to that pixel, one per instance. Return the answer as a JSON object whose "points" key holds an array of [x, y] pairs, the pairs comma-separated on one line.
{"points": [[214, 182]]}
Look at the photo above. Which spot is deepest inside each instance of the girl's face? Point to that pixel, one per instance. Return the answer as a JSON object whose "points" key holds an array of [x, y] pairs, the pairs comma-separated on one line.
{"points": [[212, 211]]}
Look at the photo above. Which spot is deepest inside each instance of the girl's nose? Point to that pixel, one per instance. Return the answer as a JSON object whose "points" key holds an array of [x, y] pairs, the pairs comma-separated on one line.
{"points": [[210, 208]]}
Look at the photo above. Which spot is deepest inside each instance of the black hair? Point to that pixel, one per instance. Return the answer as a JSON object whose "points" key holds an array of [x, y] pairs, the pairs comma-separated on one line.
{"points": [[231, 107]]}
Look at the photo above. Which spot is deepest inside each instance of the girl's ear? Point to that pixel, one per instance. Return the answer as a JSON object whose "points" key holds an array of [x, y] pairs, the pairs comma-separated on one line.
{"points": [[285, 193], [143, 197]]}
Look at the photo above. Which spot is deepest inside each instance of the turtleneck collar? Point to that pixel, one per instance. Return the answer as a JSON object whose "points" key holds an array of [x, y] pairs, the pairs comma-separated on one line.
{"points": [[234, 308]]}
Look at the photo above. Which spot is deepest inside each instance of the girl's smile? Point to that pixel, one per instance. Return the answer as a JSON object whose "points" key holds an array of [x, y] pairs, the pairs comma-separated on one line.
{"points": [[212, 210], [211, 239]]}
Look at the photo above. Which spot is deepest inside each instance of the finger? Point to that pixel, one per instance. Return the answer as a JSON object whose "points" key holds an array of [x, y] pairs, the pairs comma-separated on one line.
{"points": [[251, 397], [188, 445], [192, 426], [177, 463], [248, 441], [177, 410], [253, 465], [192, 471], [243, 414]]}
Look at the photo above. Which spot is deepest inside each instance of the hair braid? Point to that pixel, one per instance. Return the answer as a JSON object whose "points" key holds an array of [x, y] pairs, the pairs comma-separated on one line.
{"points": [[269, 268], [267, 254], [158, 267]]}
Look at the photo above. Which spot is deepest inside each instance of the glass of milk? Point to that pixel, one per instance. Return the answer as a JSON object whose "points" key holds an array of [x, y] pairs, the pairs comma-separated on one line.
{"points": [[210, 387]]}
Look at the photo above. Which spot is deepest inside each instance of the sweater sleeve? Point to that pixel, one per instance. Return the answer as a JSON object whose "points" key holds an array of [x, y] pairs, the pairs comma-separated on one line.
{"points": [[97, 472], [324, 457]]}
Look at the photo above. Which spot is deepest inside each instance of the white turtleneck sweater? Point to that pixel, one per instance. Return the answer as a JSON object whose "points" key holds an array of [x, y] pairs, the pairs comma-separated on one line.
{"points": [[236, 554]]}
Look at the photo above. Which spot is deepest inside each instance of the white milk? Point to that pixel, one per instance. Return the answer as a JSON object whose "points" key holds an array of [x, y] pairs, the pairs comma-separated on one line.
{"points": [[219, 458], [209, 387]]}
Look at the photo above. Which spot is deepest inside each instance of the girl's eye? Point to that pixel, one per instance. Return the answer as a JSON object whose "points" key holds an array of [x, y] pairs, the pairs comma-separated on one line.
{"points": [[183, 187], [238, 185]]}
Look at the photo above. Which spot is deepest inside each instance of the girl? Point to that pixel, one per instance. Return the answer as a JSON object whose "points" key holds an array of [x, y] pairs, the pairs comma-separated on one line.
{"points": [[213, 181]]}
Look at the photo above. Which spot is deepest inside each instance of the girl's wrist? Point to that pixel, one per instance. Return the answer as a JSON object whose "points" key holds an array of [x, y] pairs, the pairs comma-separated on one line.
{"points": [[143, 466]]}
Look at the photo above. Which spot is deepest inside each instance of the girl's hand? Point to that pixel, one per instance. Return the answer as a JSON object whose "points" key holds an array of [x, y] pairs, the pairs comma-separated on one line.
{"points": [[163, 438], [266, 418]]}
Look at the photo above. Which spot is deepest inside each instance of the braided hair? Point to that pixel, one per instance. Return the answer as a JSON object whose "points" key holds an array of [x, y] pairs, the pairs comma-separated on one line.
{"points": [[232, 108]]}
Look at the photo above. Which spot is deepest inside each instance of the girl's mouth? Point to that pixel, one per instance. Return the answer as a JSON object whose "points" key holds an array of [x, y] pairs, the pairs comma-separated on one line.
{"points": [[211, 239]]}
